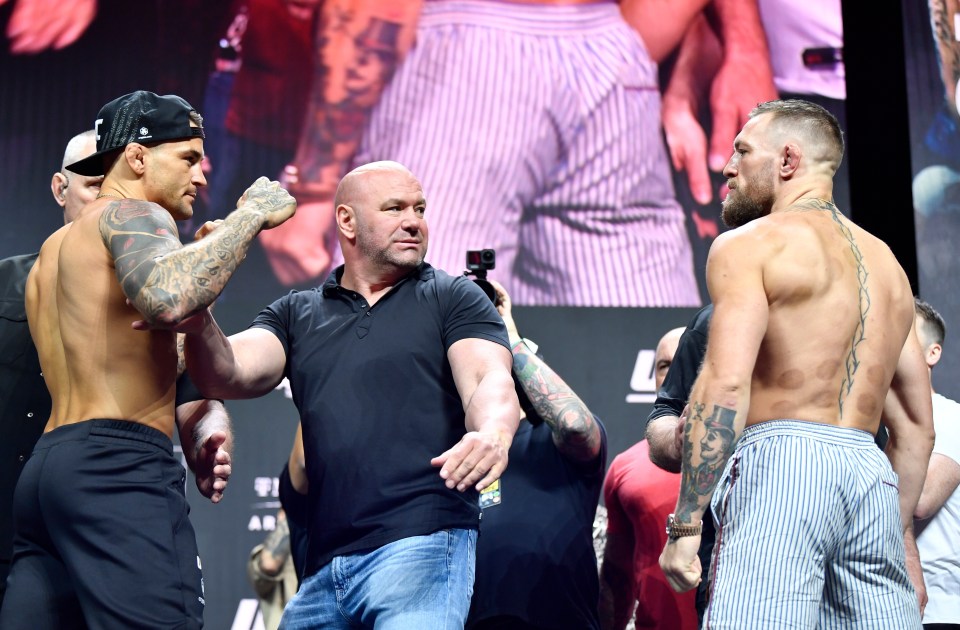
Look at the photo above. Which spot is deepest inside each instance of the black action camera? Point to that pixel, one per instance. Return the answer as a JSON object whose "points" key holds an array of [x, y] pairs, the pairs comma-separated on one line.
{"points": [[479, 262]]}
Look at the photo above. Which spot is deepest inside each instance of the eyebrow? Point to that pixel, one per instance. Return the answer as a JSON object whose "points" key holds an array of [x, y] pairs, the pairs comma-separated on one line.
{"points": [[192, 153], [393, 201]]}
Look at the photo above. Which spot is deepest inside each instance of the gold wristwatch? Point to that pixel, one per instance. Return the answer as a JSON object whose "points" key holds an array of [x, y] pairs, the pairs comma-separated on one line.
{"points": [[677, 530]]}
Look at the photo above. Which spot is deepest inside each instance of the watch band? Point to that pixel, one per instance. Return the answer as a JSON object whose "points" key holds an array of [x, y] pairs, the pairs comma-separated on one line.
{"points": [[678, 530]]}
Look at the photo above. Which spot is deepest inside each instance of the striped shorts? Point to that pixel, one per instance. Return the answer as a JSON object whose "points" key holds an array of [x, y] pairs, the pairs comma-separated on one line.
{"points": [[535, 130], [809, 533]]}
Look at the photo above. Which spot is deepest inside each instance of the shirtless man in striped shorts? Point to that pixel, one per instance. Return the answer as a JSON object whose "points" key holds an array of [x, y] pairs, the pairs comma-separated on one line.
{"points": [[812, 344]]}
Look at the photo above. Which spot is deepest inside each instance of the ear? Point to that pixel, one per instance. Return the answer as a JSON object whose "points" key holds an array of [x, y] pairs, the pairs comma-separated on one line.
{"points": [[932, 354], [133, 155], [346, 220], [58, 186], [790, 160]]}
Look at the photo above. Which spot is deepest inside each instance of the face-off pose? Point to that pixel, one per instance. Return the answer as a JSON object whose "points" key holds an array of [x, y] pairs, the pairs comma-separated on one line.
{"points": [[102, 531], [812, 326]]}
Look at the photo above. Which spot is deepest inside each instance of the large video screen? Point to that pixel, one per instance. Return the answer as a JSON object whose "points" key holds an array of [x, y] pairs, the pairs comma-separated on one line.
{"points": [[933, 73]]}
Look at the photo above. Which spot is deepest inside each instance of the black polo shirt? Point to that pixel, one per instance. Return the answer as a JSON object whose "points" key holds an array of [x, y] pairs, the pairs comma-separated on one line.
{"points": [[24, 400], [377, 402]]}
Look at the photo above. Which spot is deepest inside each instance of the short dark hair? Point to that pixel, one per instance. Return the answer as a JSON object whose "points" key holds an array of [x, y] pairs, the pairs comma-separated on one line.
{"points": [[814, 120], [934, 328]]}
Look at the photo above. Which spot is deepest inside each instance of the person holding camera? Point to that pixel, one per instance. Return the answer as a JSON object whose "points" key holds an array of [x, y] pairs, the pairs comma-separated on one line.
{"points": [[536, 567], [401, 376]]}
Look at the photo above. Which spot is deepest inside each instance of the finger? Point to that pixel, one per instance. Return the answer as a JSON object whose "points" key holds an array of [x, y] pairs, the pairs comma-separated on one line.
{"points": [[725, 123], [213, 442], [490, 477], [698, 177]]}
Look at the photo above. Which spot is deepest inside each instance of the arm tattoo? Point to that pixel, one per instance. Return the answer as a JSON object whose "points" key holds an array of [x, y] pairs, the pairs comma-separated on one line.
{"points": [[569, 420], [342, 97], [708, 444], [278, 542], [165, 281], [852, 362]]}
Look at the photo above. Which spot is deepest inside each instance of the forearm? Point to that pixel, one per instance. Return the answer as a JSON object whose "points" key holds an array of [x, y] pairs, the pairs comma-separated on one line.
{"points": [[213, 364], [717, 416], [696, 64], [908, 450], [740, 29], [351, 72], [948, 49], [493, 407], [184, 281], [573, 426]]}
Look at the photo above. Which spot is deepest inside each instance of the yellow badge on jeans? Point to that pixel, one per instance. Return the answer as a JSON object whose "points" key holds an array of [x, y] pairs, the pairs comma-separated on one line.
{"points": [[490, 495]]}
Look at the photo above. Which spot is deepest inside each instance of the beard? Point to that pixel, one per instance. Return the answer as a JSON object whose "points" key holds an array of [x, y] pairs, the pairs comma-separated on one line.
{"points": [[751, 201], [386, 257]]}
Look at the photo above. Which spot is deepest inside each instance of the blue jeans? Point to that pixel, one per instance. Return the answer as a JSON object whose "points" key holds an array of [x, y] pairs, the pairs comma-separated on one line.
{"points": [[422, 582]]}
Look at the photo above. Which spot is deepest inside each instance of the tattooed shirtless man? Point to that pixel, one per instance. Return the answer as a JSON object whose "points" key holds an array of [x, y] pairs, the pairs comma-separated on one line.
{"points": [[812, 344], [102, 534]]}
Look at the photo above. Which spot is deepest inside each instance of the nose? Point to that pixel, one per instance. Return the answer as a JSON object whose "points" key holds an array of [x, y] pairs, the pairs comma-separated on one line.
{"points": [[198, 179], [411, 222], [730, 170]]}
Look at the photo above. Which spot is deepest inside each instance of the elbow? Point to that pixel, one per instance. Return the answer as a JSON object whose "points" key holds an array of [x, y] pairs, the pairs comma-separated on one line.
{"points": [[924, 510]]}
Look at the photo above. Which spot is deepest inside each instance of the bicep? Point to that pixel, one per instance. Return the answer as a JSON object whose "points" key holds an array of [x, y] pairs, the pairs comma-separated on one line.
{"points": [[471, 359], [908, 399], [740, 308], [260, 360], [136, 233]]}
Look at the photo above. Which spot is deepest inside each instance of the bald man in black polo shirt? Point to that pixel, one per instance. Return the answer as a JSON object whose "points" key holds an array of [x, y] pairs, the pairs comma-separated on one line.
{"points": [[401, 374]]}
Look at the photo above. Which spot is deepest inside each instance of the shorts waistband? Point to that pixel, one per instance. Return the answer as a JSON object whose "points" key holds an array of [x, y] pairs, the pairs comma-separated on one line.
{"points": [[533, 19], [125, 429], [840, 436]]}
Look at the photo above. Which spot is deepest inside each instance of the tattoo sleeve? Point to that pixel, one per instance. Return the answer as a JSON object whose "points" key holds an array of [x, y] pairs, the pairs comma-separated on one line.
{"points": [[360, 43], [575, 432], [165, 281], [708, 444]]}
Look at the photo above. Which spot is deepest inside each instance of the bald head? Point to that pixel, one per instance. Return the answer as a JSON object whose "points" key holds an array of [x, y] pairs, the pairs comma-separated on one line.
{"points": [[666, 348], [355, 185], [72, 191]]}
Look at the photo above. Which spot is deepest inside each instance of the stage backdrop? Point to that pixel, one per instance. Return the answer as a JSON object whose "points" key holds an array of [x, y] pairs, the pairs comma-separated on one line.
{"points": [[51, 89]]}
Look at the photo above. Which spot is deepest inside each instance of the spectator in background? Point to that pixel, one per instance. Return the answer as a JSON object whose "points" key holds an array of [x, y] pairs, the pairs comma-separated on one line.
{"points": [[638, 496], [536, 567], [937, 515], [275, 565]]}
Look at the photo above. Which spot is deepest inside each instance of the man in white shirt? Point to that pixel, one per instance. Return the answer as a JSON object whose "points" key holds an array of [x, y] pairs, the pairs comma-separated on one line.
{"points": [[937, 517]]}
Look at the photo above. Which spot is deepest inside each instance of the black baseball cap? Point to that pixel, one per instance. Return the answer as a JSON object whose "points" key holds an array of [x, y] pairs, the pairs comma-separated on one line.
{"points": [[137, 117]]}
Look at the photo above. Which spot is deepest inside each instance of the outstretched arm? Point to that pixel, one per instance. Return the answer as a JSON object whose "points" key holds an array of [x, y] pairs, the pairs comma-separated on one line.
{"points": [[721, 395], [168, 282], [245, 365]]}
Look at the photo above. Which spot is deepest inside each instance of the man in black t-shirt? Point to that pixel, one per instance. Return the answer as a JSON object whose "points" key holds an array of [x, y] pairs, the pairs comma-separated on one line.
{"points": [[536, 567]]}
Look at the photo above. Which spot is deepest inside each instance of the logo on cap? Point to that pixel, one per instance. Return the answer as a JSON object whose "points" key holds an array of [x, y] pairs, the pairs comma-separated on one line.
{"points": [[144, 131]]}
